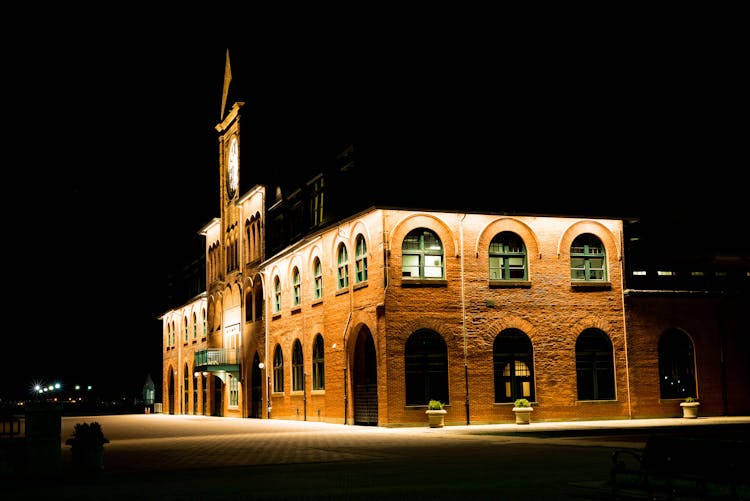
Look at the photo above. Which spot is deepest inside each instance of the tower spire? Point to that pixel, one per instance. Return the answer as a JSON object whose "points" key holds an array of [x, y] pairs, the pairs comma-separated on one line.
{"points": [[227, 79]]}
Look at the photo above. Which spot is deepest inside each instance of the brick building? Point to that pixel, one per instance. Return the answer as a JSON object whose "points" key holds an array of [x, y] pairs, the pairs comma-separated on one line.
{"points": [[323, 306]]}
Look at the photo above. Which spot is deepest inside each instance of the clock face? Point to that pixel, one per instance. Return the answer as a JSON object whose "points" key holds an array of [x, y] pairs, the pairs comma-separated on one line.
{"points": [[232, 168]]}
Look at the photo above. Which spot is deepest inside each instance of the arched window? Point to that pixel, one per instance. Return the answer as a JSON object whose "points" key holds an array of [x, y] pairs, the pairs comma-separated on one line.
{"points": [[195, 327], [360, 260], [426, 364], [422, 255], [343, 267], [676, 365], [258, 296], [185, 327], [318, 364], [278, 370], [276, 294], [203, 312], [317, 279], [295, 287], [513, 366], [587, 259], [594, 366], [298, 367], [507, 257]]}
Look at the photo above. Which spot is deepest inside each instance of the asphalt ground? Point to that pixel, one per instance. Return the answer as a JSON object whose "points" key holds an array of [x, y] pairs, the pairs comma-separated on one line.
{"points": [[175, 457]]}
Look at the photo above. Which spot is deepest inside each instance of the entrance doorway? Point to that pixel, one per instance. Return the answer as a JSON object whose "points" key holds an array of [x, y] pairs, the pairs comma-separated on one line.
{"points": [[365, 380]]}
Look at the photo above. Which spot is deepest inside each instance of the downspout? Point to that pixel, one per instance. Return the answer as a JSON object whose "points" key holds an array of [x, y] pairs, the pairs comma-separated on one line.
{"points": [[625, 320], [463, 317], [265, 351], [346, 351]]}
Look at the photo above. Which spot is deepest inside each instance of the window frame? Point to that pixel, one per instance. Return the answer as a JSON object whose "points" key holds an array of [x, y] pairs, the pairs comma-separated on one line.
{"points": [[422, 254], [504, 240], [360, 260], [586, 254], [342, 267]]}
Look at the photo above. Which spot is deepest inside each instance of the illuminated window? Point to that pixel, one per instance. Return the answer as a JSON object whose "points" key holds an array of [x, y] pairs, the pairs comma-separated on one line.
{"points": [[665, 273], [587, 259], [360, 260], [639, 273], [316, 201], [513, 359], [276, 294], [234, 391], [317, 279], [422, 255], [295, 287], [343, 267], [507, 257]]}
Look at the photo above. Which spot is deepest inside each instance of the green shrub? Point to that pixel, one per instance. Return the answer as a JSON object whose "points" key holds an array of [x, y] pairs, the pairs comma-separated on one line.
{"points": [[435, 405], [691, 399], [522, 402]]}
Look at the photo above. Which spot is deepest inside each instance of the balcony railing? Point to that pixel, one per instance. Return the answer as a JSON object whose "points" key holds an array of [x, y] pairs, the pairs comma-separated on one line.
{"points": [[217, 359]]}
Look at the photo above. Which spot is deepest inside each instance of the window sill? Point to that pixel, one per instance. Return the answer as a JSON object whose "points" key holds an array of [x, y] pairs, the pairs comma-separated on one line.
{"points": [[296, 393], [318, 392], [276, 316], [360, 285], [342, 291], [423, 282], [296, 310], [317, 302], [590, 285], [510, 284]]}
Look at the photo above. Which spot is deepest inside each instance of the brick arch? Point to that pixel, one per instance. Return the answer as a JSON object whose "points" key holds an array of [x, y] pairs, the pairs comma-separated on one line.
{"points": [[429, 221], [435, 325], [506, 224], [592, 322], [611, 244], [511, 322]]}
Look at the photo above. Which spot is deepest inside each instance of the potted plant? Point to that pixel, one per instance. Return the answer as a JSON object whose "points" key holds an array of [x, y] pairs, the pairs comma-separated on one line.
{"points": [[87, 447], [690, 408], [436, 413], [522, 408]]}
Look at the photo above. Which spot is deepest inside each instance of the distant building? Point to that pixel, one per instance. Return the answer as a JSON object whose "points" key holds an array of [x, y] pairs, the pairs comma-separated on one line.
{"points": [[323, 303]]}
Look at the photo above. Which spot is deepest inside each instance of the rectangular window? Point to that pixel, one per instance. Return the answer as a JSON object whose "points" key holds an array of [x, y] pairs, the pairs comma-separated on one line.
{"points": [[410, 266], [234, 391]]}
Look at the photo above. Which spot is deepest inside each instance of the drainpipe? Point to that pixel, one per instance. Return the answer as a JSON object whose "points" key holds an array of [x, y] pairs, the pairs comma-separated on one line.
{"points": [[625, 320], [265, 351], [463, 317]]}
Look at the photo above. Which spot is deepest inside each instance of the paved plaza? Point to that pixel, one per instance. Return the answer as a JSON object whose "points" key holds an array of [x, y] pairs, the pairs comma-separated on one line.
{"points": [[172, 457]]}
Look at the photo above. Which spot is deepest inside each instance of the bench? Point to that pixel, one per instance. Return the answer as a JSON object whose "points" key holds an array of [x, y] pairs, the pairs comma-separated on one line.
{"points": [[682, 466]]}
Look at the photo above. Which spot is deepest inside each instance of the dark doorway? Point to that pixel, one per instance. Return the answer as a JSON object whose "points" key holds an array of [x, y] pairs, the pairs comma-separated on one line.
{"points": [[365, 380], [170, 393], [256, 389], [217, 406]]}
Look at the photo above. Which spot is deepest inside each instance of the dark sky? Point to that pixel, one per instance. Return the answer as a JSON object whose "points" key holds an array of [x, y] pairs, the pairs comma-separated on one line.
{"points": [[115, 155]]}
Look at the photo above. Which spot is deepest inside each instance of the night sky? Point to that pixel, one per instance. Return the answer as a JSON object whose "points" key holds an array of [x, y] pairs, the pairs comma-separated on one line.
{"points": [[115, 155]]}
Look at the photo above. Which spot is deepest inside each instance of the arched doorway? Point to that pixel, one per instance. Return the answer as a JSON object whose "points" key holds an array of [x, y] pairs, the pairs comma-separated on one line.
{"points": [[256, 389], [217, 405], [365, 380]]}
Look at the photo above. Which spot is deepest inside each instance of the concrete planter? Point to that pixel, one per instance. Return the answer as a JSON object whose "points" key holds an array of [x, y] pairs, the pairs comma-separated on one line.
{"points": [[689, 409], [436, 418], [523, 414]]}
